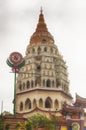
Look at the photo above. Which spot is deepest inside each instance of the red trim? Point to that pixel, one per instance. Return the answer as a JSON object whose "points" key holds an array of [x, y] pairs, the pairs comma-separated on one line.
{"points": [[39, 109]]}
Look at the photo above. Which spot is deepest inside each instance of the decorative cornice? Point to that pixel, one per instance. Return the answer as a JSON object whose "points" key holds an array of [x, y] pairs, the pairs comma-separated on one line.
{"points": [[45, 89]]}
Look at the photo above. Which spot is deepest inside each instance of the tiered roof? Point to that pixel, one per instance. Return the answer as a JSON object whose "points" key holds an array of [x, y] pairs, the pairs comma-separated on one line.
{"points": [[71, 109], [80, 101], [41, 33]]}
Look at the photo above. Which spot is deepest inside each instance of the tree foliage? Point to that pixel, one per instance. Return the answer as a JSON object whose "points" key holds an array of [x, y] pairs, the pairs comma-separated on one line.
{"points": [[38, 120], [1, 124], [7, 126], [28, 126], [18, 126]]}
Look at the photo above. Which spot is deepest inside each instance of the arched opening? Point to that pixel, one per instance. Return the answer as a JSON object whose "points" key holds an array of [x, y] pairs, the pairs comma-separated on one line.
{"points": [[32, 84], [20, 87], [34, 103], [21, 106], [48, 103], [57, 83], [56, 104], [40, 102], [48, 83], [28, 84], [44, 41], [23, 85], [39, 50], [27, 104], [33, 50], [45, 49], [38, 68], [37, 81]]}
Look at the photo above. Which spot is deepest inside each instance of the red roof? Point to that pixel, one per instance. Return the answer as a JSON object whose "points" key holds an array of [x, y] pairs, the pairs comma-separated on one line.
{"points": [[80, 101]]}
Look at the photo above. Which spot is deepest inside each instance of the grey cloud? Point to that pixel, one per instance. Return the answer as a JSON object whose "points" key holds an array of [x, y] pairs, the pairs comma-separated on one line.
{"points": [[4, 16]]}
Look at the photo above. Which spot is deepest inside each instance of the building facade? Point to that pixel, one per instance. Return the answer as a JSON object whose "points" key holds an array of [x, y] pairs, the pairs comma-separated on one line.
{"points": [[42, 84]]}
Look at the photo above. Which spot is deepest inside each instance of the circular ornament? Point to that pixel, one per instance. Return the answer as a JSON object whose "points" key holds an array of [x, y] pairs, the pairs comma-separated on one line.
{"points": [[75, 126], [15, 58]]}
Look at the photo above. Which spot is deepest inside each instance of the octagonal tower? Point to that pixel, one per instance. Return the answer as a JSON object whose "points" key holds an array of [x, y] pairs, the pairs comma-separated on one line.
{"points": [[42, 84]]}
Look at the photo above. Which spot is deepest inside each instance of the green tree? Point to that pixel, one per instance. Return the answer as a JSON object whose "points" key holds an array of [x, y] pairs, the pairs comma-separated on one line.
{"points": [[7, 126], [54, 120], [1, 124], [18, 126], [28, 126], [38, 120]]}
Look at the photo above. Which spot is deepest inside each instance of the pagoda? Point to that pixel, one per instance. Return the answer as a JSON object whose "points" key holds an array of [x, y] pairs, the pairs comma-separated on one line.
{"points": [[42, 84]]}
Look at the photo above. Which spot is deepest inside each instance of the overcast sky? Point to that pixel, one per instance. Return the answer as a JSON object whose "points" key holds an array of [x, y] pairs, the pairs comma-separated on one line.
{"points": [[66, 21]]}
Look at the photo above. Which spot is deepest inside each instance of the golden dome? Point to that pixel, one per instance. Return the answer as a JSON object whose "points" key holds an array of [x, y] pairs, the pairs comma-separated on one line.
{"points": [[41, 35]]}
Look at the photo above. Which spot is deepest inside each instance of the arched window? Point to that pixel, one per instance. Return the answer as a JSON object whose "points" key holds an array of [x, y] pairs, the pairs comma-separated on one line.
{"points": [[48, 103], [57, 83], [40, 102], [21, 106], [43, 41], [33, 50], [23, 85], [34, 103], [28, 84], [48, 83], [38, 68], [39, 50], [32, 84], [45, 49], [20, 87], [27, 104], [56, 104]]}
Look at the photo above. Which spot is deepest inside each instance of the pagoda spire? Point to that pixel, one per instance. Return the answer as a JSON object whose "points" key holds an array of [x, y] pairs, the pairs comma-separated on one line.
{"points": [[41, 26], [41, 10], [41, 31]]}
